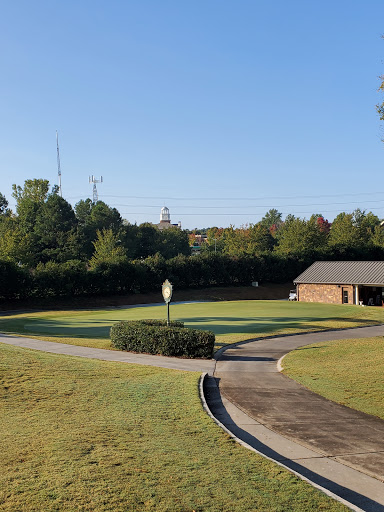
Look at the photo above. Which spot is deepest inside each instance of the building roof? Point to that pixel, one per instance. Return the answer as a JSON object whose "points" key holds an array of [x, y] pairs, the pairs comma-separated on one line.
{"points": [[343, 272]]}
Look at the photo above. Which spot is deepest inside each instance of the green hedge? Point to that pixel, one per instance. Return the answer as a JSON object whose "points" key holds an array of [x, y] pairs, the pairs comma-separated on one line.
{"points": [[155, 337]]}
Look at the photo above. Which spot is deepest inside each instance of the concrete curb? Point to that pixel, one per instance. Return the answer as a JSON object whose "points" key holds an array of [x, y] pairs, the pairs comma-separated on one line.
{"points": [[206, 408], [279, 363]]}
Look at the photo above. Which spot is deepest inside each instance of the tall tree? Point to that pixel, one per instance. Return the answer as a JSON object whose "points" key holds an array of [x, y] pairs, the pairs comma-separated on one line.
{"points": [[93, 217], [247, 240], [344, 235], [272, 220], [107, 249], [3, 205], [215, 240], [173, 241], [301, 237], [15, 244], [56, 230], [29, 199], [148, 240]]}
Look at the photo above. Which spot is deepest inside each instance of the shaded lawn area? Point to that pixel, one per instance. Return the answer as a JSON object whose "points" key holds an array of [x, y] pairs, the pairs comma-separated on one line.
{"points": [[91, 435], [349, 372], [231, 321]]}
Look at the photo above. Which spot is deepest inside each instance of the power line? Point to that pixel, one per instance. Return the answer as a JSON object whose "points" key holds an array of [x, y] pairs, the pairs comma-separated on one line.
{"points": [[232, 198], [247, 206], [174, 214]]}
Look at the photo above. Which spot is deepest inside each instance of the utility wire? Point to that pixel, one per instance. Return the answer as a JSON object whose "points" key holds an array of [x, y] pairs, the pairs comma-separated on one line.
{"points": [[232, 198], [244, 206]]}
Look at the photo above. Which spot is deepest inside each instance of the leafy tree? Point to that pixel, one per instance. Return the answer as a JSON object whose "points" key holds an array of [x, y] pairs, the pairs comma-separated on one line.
{"points": [[173, 241], [3, 205], [323, 225], [247, 240], [148, 238], [29, 200], [128, 236], [378, 237], [83, 211], [15, 245], [344, 234], [301, 237], [93, 217], [352, 234], [35, 190], [107, 249], [55, 231], [272, 220], [260, 239], [215, 240]]}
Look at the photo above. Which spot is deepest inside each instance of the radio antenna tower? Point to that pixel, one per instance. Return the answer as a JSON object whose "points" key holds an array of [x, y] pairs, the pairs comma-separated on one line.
{"points": [[58, 163], [93, 180]]}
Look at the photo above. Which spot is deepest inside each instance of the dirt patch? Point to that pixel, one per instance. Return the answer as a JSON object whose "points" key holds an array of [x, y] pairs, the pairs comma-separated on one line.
{"points": [[265, 292]]}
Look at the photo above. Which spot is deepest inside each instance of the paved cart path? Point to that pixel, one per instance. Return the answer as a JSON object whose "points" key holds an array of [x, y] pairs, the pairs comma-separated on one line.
{"points": [[309, 433], [173, 363]]}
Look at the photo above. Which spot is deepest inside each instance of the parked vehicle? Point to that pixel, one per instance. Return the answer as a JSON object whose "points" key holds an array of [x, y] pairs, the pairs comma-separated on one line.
{"points": [[292, 295]]}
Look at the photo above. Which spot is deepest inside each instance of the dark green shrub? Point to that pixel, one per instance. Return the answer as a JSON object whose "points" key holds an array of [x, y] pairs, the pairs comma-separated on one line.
{"points": [[155, 337], [161, 323], [14, 281], [54, 279]]}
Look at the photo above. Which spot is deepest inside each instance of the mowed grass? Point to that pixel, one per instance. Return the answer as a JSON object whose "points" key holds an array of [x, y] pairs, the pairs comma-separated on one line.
{"points": [[89, 435], [349, 372], [231, 321]]}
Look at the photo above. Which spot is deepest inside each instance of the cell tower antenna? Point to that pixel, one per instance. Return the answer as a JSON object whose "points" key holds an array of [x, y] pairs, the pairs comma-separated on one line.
{"points": [[58, 163], [93, 180]]}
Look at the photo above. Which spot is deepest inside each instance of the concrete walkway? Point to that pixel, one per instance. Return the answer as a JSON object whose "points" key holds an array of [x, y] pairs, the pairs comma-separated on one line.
{"points": [[334, 446], [173, 363]]}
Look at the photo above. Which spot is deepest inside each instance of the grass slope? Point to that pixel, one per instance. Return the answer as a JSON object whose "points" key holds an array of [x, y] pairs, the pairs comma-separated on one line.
{"points": [[230, 321], [89, 435], [349, 372]]}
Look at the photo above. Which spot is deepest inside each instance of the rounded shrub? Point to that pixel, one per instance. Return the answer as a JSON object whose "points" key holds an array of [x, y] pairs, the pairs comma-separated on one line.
{"points": [[155, 337]]}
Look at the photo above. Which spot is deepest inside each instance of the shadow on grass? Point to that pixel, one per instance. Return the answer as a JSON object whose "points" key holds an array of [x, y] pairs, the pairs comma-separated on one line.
{"points": [[94, 328]]}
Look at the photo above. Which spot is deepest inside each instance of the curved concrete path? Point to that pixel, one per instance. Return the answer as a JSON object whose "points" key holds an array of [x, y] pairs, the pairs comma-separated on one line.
{"points": [[334, 446], [173, 363]]}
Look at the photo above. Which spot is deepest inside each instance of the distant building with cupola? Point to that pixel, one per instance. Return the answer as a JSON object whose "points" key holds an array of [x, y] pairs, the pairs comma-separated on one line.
{"points": [[165, 220]]}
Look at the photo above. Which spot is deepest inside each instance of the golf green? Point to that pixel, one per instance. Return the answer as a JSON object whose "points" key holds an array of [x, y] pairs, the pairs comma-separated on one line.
{"points": [[234, 318]]}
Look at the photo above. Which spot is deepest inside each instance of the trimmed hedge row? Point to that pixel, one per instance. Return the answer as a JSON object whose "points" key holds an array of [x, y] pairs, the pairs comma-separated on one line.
{"points": [[155, 337], [72, 278]]}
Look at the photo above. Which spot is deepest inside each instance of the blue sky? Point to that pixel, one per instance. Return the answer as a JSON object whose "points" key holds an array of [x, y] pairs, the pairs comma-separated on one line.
{"points": [[219, 110]]}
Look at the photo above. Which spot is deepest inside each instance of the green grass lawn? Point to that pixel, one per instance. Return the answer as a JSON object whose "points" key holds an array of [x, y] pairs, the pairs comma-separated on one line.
{"points": [[349, 372], [90, 435], [230, 321]]}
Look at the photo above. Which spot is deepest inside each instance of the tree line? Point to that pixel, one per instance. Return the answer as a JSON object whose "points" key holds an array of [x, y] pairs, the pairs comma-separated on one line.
{"points": [[48, 248], [357, 235], [45, 228]]}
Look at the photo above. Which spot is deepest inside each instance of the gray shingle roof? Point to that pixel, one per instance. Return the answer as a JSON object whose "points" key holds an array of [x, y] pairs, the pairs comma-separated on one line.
{"points": [[344, 272]]}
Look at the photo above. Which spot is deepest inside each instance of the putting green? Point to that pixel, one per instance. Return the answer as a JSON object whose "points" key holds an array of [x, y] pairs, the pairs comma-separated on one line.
{"points": [[223, 318]]}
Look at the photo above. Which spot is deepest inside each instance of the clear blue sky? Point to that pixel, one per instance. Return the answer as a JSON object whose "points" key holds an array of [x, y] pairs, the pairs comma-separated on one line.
{"points": [[217, 109]]}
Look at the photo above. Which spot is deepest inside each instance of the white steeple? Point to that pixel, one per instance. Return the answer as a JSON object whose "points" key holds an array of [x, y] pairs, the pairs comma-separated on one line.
{"points": [[164, 215]]}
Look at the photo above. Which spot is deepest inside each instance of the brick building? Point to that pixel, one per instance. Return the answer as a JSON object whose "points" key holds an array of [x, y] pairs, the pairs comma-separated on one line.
{"points": [[342, 282]]}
